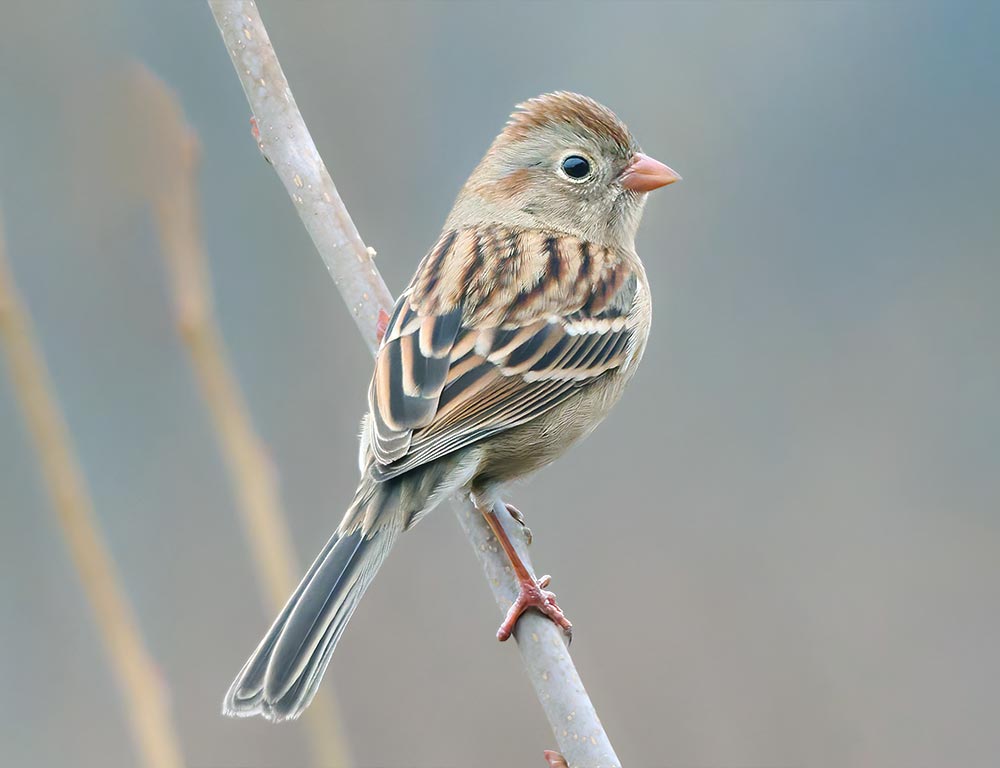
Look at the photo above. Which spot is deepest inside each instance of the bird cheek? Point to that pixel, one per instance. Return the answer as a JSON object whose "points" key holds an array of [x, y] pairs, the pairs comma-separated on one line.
{"points": [[514, 184]]}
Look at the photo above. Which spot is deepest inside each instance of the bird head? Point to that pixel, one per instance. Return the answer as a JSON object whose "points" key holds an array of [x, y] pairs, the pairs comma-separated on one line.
{"points": [[563, 163]]}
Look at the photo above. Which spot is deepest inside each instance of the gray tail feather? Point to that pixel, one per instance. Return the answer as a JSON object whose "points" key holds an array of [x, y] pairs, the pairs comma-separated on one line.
{"points": [[281, 677]]}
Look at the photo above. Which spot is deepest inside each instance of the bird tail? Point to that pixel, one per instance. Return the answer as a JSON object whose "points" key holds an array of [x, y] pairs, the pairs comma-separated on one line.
{"points": [[281, 677]]}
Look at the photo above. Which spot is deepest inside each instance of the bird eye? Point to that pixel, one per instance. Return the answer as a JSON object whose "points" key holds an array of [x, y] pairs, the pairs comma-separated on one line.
{"points": [[576, 167]]}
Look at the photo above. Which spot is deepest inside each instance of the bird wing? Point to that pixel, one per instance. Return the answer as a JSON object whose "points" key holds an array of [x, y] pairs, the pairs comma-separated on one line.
{"points": [[497, 327]]}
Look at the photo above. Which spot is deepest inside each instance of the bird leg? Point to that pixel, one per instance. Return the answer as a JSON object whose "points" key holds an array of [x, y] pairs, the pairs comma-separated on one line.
{"points": [[532, 593]]}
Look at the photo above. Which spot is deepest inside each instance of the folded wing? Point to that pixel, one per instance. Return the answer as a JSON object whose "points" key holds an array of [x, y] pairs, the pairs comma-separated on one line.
{"points": [[496, 328]]}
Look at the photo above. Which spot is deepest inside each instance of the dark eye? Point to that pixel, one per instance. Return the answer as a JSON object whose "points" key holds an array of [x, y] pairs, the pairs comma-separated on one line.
{"points": [[576, 167]]}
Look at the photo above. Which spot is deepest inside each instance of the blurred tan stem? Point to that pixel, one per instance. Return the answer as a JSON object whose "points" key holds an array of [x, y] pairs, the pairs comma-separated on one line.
{"points": [[145, 700], [174, 198], [285, 141]]}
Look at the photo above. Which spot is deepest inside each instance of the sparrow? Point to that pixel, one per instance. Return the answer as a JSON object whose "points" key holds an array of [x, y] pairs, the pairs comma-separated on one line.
{"points": [[516, 335]]}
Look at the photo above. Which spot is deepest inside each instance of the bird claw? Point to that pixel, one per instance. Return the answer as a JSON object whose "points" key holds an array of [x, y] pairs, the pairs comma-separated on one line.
{"points": [[533, 594], [554, 759], [518, 516]]}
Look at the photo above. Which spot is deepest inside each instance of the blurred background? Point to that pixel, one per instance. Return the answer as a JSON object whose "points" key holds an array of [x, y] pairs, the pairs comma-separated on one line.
{"points": [[798, 560]]}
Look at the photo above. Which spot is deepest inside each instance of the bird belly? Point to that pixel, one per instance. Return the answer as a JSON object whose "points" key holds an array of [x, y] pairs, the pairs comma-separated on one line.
{"points": [[527, 448]]}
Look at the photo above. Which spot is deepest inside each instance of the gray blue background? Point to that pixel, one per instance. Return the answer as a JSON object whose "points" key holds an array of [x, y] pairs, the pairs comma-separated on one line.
{"points": [[782, 549]]}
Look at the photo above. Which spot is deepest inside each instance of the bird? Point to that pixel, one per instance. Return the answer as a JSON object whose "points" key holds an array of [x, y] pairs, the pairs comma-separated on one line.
{"points": [[515, 337]]}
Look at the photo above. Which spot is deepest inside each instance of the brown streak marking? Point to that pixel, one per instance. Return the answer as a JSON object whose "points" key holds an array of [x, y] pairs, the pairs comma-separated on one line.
{"points": [[511, 185], [611, 282], [544, 347], [429, 269], [464, 343], [459, 260], [561, 107], [475, 264], [557, 364], [501, 386], [427, 336], [595, 356], [466, 397], [518, 339], [462, 367], [585, 348]]}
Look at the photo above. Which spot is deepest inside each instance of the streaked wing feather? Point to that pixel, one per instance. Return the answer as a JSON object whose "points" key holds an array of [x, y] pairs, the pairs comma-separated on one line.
{"points": [[469, 353]]}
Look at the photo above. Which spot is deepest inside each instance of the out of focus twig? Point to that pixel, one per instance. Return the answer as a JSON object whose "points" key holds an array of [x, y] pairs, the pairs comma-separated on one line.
{"points": [[284, 139], [173, 194], [145, 699]]}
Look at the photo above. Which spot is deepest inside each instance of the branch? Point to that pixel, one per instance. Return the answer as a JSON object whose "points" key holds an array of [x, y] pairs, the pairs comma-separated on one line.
{"points": [[139, 682], [171, 187], [285, 141]]}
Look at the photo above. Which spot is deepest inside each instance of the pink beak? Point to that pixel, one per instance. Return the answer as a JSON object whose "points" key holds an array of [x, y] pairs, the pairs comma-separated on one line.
{"points": [[645, 174]]}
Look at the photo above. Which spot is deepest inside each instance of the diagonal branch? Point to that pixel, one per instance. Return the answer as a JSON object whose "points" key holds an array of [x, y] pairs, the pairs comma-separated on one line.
{"points": [[284, 139], [145, 698]]}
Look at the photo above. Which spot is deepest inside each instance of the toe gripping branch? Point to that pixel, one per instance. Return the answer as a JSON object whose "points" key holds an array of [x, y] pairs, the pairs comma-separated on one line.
{"points": [[532, 593]]}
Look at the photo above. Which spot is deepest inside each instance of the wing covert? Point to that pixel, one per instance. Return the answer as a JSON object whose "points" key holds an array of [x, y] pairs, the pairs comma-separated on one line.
{"points": [[496, 328]]}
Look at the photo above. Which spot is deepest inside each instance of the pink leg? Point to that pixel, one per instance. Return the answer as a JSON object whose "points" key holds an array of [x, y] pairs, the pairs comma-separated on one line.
{"points": [[532, 593]]}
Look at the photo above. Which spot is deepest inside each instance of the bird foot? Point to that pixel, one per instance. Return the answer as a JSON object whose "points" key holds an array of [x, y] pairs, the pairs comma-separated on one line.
{"points": [[535, 595]]}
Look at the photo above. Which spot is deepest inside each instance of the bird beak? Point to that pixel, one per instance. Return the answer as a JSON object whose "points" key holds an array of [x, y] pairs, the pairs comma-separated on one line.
{"points": [[644, 174]]}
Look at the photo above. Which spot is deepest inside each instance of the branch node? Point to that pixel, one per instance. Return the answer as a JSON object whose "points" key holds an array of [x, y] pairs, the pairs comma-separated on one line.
{"points": [[255, 132]]}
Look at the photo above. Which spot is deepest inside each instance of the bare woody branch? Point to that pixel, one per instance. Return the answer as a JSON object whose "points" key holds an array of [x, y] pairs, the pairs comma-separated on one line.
{"points": [[145, 700], [285, 141], [171, 188]]}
